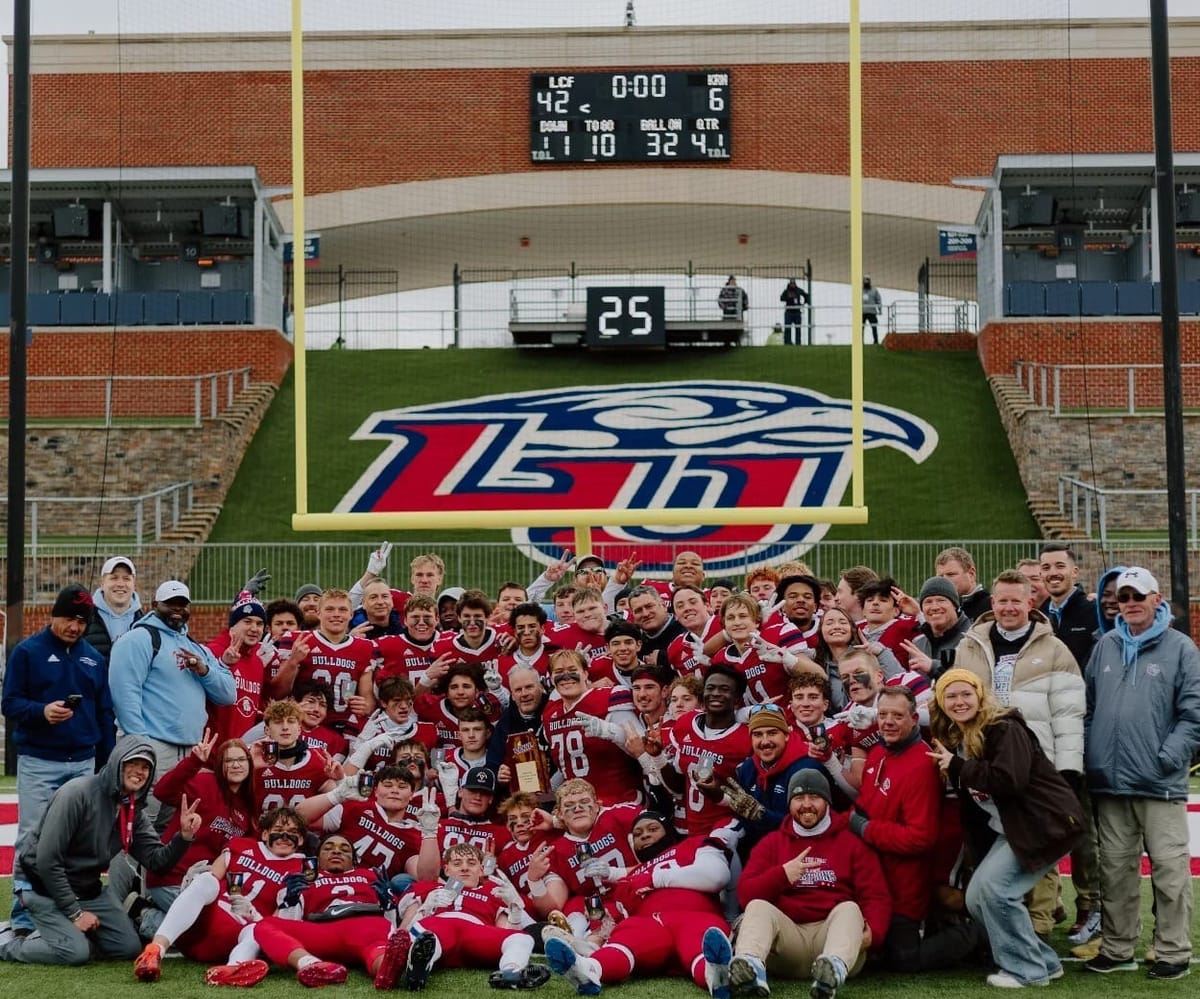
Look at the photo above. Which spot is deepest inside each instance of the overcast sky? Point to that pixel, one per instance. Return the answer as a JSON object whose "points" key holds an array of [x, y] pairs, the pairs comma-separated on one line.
{"points": [[170, 16]]}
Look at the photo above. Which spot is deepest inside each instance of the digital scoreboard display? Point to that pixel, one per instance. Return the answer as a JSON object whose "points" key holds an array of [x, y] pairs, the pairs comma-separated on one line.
{"points": [[635, 116], [626, 317]]}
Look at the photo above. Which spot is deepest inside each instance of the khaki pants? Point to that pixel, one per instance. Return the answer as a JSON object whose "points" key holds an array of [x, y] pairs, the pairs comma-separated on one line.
{"points": [[1126, 826], [1042, 901], [789, 949]]}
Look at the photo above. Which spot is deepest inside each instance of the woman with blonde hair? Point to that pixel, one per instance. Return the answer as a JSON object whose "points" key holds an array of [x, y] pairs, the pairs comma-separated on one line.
{"points": [[1019, 819]]}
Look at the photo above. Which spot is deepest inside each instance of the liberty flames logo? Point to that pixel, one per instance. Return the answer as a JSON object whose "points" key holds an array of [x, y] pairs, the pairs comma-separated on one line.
{"points": [[697, 445]]}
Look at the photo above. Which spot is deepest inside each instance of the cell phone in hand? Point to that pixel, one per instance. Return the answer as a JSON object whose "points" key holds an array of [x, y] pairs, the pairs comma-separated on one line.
{"points": [[73, 701]]}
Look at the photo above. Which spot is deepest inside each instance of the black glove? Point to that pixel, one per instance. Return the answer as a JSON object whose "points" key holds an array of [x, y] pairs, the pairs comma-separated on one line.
{"points": [[858, 823], [741, 802], [255, 584], [293, 885], [1074, 780]]}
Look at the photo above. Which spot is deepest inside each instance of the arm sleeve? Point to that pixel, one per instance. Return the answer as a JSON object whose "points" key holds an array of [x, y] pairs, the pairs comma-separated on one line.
{"points": [[17, 707], [1067, 704], [65, 814], [218, 683], [171, 786], [147, 850], [709, 872], [915, 830], [1184, 736], [127, 672], [1006, 768], [536, 591], [889, 663], [763, 875]]}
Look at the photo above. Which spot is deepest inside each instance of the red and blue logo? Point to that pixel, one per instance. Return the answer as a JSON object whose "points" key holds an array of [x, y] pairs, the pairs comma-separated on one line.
{"points": [[697, 445]]}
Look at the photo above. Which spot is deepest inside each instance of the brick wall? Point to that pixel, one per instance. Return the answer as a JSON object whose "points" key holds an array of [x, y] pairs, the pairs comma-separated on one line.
{"points": [[930, 341], [1080, 341], [168, 351], [923, 122]]}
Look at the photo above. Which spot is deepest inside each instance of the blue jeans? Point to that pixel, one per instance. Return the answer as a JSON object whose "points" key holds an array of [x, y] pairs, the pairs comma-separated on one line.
{"points": [[37, 780], [996, 900]]}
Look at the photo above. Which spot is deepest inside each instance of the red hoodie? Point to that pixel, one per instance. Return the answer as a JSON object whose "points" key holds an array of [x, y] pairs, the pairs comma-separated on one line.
{"points": [[849, 872]]}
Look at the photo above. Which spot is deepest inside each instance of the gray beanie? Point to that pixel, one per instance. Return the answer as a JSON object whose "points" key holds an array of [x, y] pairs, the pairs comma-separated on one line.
{"points": [[306, 589], [940, 586]]}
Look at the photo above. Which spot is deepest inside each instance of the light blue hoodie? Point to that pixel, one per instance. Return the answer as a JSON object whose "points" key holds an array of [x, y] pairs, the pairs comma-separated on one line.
{"points": [[117, 624]]}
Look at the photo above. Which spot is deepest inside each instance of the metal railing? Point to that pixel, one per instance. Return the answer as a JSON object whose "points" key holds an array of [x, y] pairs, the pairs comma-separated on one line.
{"points": [[1090, 508], [212, 393], [164, 506], [931, 315], [215, 572], [1130, 388]]}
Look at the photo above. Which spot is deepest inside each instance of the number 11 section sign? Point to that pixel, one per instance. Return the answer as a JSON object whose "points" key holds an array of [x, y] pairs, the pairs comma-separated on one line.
{"points": [[626, 317]]}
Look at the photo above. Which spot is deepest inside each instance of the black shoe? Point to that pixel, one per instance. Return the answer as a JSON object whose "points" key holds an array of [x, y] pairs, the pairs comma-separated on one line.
{"points": [[420, 957], [532, 977], [1104, 964], [1165, 972]]}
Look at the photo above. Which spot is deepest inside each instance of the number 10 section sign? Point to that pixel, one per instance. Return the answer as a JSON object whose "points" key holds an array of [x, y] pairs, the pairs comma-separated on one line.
{"points": [[626, 317]]}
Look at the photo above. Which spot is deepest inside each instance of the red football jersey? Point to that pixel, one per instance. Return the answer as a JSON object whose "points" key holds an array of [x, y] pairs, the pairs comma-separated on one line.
{"points": [[780, 631], [488, 836], [608, 768], [401, 656], [480, 905], [765, 682], [231, 721], [571, 636], [540, 662], [723, 750], [281, 784], [513, 859], [331, 892], [608, 840], [377, 841], [262, 873], [674, 899], [328, 741], [681, 655], [340, 665], [486, 655]]}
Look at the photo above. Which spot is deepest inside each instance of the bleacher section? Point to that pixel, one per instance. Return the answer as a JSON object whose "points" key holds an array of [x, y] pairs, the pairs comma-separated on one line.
{"points": [[135, 308], [1094, 298]]}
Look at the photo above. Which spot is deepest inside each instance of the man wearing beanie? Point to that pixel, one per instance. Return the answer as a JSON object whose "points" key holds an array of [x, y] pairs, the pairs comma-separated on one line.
{"points": [[238, 647], [932, 651], [758, 791], [830, 901], [58, 708]]}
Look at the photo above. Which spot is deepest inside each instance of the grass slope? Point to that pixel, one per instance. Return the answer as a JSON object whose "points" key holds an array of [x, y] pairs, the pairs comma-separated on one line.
{"points": [[968, 488]]}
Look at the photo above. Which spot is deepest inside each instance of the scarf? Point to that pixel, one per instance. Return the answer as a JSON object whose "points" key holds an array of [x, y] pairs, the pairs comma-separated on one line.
{"points": [[1131, 645]]}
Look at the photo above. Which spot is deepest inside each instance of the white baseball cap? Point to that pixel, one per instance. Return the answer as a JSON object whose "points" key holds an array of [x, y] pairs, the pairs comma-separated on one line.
{"points": [[1137, 578], [115, 561], [172, 589]]}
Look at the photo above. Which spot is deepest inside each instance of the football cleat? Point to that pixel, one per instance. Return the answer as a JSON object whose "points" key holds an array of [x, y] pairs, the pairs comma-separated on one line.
{"points": [[242, 975]]}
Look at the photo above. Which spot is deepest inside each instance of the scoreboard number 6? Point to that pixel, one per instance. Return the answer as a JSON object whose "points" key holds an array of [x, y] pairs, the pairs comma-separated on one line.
{"points": [[636, 312]]}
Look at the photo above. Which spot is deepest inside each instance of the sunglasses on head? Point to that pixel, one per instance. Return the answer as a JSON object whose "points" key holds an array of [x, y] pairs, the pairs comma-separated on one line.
{"points": [[1128, 595], [756, 708]]}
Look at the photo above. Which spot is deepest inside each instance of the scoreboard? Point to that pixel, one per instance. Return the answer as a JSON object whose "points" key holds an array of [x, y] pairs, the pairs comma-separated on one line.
{"points": [[632, 116]]}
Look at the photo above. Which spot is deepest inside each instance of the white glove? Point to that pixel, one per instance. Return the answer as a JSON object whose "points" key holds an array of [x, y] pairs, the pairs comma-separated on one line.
{"points": [[428, 818], [377, 563], [601, 870], [697, 648], [652, 765], [770, 653], [365, 750], [491, 676], [346, 790], [439, 898], [447, 775], [598, 728], [506, 892], [193, 872], [860, 717], [241, 906]]}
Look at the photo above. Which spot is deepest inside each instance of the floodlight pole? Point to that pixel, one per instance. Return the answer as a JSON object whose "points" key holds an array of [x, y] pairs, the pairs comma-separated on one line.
{"points": [[14, 604], [1164, 188]]}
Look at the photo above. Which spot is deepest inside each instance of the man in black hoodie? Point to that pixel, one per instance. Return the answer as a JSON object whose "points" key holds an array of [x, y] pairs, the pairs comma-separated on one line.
{"points": [[88, 821]]}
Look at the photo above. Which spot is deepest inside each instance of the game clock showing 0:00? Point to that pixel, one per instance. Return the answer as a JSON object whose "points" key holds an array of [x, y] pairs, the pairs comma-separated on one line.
{"points": [[629, 117]]}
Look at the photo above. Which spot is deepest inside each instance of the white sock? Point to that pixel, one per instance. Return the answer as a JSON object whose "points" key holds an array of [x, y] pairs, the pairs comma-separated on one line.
{"points": [[306, 960], [186, 908], [515, 952], [246, 948]]}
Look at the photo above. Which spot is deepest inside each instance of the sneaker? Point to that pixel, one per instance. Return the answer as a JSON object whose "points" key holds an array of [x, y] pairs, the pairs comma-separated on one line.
{"points": [[718, 952], [147, 966], [1166, 972], [420, 960], [552, 931], [1104, 964], [320, 974], [1056, 974], [748, 976], [135, 904], [583, 971], [1085, 952], [242, 975], [1003, 980], [532, 977], [394, 960], [829, 974], [1087, 927]]}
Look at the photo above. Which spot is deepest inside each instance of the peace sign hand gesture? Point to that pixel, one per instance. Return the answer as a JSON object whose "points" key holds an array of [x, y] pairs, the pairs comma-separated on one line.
{"points": [[189, 818]]}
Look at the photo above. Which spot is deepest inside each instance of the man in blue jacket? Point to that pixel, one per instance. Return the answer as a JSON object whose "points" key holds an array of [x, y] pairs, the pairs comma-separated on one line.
{"points": [[1141, 729], [162, 679], [58, 707]]}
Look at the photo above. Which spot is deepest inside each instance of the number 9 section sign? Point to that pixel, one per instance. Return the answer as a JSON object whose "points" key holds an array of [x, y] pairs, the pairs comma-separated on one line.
{"points": [[626, 317]]}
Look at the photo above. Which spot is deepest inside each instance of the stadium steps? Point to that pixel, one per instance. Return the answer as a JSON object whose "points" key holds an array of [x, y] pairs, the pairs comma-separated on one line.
{"points": [[193, 526], [1051, 521], [1011, 395], [246, 404]]}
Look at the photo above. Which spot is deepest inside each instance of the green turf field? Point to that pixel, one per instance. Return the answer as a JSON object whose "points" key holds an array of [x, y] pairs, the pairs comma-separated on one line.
{"points": [[185, 980], [968, 488]]}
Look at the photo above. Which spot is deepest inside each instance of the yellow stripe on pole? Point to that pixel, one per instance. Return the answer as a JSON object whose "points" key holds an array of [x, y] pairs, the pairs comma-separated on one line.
{"points": [[479, 520], [856, 259], [300, 378]]}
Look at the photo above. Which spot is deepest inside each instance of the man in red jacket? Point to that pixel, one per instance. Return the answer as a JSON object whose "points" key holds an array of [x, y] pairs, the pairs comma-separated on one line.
{"points": [[831, 899], [897, 813]]}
